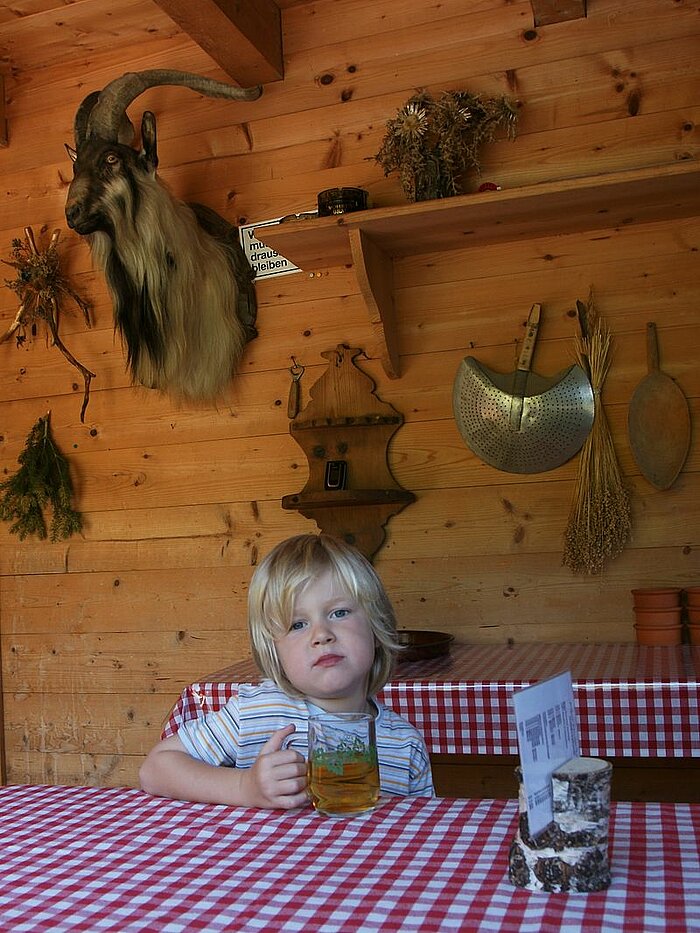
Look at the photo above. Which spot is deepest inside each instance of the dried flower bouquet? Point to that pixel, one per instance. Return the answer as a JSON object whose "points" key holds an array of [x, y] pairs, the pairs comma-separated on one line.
{"points": [[433, 142]]}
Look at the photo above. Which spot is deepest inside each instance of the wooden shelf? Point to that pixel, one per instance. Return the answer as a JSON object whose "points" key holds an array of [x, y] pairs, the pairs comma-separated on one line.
{"points": [[336, 498], [372, 239]]}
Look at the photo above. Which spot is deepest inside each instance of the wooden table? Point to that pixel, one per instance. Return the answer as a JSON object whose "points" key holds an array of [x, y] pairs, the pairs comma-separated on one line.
{"points": [[115, 859]]}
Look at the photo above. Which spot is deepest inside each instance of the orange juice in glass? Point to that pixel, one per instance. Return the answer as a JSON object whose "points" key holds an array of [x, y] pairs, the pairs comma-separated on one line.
{"points": [[343, 770]]}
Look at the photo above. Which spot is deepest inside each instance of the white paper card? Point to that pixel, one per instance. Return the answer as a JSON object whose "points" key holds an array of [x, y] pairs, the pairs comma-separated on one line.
{"points": [[267, 262], [548, 737]]}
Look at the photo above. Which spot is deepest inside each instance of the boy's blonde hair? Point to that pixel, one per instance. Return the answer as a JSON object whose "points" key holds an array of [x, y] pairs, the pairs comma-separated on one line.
{"points": [[284, 573]]}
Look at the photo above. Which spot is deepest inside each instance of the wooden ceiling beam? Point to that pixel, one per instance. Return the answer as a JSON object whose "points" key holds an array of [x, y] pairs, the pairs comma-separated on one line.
{"points": [[557, 11], [245, 39]]}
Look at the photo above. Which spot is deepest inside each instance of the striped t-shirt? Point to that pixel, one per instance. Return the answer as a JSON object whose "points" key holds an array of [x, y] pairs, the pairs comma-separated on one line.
{"points": [[235, 734]]}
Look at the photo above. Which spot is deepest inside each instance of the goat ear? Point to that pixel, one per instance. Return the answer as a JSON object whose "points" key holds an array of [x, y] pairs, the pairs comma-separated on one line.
{"points": [[149, 140], [72, 154]]}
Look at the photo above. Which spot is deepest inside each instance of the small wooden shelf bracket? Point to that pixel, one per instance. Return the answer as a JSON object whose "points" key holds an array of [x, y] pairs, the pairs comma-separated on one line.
{"points": [[374, 270]]}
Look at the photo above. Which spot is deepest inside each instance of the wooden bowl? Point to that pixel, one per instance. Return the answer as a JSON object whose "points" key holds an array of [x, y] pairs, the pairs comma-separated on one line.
{"points": [[666, 597], [422, 645]]}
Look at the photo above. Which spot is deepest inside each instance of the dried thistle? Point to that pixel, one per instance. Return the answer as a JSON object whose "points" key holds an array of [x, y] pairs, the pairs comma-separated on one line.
{"points": [[599, 520], [41, 287], [431, 143]]}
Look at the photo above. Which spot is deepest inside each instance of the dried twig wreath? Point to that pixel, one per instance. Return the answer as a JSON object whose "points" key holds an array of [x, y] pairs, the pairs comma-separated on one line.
{"points": [[40, 287]]}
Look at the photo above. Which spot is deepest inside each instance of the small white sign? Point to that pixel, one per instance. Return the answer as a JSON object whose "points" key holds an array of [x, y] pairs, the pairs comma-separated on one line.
{"points": [[548, 737], [266, 261]]}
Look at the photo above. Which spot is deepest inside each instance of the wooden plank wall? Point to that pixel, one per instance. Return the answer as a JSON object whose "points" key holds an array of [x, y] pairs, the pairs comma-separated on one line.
{"points": [[100, 633]]}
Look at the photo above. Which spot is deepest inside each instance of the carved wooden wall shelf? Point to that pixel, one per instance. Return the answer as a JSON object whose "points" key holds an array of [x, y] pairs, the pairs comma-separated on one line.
{"points": [[345, 432]]}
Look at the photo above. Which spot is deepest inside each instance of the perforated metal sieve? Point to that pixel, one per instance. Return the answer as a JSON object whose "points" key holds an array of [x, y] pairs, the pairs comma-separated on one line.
{"points": [[521, 422]]}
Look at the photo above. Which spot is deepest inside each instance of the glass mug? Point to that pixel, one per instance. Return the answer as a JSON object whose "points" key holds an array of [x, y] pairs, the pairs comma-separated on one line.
{"points": [[342, 767]]}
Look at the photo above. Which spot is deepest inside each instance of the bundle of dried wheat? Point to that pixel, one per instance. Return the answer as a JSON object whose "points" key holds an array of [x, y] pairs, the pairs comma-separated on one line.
{"points": [[599, 520]]}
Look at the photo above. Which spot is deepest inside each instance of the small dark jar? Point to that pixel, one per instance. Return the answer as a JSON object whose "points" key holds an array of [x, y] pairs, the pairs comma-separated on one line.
{"points": [[341, 201]]}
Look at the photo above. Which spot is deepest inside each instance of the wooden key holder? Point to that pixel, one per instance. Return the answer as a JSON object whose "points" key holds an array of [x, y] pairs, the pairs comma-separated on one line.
{"points": [[345, 432]]}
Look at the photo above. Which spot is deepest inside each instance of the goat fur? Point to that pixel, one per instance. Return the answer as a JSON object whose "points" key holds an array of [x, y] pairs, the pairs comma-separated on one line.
{"points": [[174, 288]]}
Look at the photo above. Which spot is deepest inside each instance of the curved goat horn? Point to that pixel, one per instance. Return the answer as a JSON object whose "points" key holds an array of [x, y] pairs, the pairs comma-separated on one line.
{"points": [[106, 118], [82, 115], [81, 126]]}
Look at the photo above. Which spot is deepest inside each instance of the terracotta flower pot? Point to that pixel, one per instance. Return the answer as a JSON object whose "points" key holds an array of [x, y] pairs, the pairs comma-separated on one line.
{"points": [[693, 615], [666, 597], [692, 596], [694, 634], [667, 635], [658, 618]]}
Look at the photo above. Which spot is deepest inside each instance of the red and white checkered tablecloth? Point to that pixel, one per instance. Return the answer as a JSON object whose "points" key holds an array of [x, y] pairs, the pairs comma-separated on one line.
{"points": [[115, 859], [631, 700]]}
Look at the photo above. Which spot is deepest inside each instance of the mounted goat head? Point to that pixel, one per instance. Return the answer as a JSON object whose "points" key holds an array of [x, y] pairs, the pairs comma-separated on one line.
{"points": [[181, 286]]}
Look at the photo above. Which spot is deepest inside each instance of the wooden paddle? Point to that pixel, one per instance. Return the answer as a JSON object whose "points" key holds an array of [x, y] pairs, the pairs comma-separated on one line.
{"points": [[658, 422]]}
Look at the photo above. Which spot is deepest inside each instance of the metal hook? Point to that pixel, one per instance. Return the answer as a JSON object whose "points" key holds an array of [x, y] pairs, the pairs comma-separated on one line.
{"points": [[296, 369]]}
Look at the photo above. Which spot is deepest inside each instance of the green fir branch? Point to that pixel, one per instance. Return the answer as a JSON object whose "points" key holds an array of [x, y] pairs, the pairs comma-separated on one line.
{"points": [[42, 480]]}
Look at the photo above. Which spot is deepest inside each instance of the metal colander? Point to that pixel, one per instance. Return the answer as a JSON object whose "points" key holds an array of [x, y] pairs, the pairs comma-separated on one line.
{"points": [[521, 422], [556, 417]]}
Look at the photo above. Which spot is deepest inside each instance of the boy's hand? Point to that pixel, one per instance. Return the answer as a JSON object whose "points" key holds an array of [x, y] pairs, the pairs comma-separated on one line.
{"points": [[278, 777]]}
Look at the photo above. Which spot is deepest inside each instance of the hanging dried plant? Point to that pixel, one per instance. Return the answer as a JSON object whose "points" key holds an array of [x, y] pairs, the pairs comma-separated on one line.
{"points": [[42, 479], [599, 521], [432, 143], [41, 287]]}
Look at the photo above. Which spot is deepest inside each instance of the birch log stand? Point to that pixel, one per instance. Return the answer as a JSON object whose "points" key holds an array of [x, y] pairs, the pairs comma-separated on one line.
{"points": [[572, 854]]}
